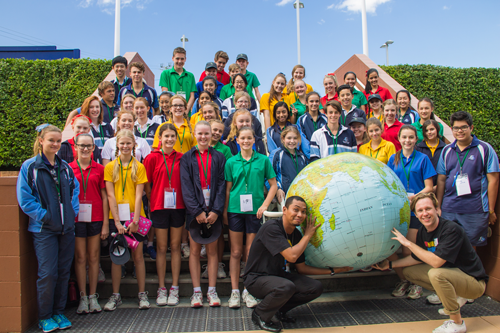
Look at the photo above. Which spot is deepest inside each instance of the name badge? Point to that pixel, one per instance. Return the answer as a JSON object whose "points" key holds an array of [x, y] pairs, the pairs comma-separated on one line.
{"points": [[463, 186], [61, 207], [206, 195], [124, 211], [182, 93], [246, 203], [85, 212], [169, 198]]}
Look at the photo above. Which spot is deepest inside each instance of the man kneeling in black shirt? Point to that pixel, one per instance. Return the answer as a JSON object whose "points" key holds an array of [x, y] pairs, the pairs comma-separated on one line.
{"points": [[442, 260], [276, 242]]}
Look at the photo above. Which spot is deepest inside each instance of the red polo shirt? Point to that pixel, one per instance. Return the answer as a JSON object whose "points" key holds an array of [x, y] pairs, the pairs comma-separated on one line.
{"points": [[323, 100], [222, 77], [157, 174], [391, 133], [384, 93], [94, 186], [205, 182]]}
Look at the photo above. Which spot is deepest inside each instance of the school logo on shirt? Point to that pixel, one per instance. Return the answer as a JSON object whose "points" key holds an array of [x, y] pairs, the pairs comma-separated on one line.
{"points": [[471, 157], [346, 141], [431, 246]]}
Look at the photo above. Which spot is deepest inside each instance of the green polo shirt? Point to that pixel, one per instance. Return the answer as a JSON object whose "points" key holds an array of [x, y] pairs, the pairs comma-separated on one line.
{"points": [[301, 108], [252, 80], [228, 91], [174, 82], [259, 169], [420, 134], [358, 98], [224, 150]]}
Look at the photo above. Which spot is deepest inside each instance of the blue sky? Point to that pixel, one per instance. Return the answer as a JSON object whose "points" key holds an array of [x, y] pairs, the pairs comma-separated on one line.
{"points": [[441, 32]]}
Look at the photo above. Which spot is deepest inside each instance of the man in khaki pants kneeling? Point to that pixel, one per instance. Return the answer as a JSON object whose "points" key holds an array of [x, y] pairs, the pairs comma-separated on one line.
{"points": [[442, 260]]}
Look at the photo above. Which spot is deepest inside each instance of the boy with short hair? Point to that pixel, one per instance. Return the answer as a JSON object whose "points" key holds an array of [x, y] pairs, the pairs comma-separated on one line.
{"points": [[221, 58], [119, 65], [106, 90], [210, 70], [177, 79], [349, 110], [253, 81]]}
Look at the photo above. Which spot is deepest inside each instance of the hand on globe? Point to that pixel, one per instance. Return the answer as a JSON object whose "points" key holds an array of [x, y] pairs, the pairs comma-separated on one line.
{"points": [[382, 266], [311, 226], [400, 238]]}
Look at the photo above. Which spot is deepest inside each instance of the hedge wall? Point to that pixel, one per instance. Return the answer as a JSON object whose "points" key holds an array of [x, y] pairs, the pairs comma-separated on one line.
{"points": [[37, 92], [475, 90]]}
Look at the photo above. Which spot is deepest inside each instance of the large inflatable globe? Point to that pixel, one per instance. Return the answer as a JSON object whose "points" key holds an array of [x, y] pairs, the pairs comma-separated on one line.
{"points": [[358, 201]]}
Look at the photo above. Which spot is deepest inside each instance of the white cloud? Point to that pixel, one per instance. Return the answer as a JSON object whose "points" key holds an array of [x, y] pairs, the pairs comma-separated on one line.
{"points": [[446, 7], [321, 22], [355, 5], [108, 6], [284, 2]]}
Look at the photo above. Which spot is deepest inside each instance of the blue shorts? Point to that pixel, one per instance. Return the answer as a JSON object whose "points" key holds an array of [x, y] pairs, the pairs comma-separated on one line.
{"points": [[168, 218], [248, 223], [87, 229], [475, 225]]}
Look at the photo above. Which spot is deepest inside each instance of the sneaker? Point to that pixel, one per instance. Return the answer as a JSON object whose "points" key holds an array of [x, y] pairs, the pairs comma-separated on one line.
{"points": [[213, 298], [101, 277], [470, 300], [173, 297], [197, 300], [48, 325], [401, 288], [249, 300], [144, 301], [242, 268], [221, 274], [461, 301], [203, 252], [433, 299], [62, 321], [366, 269], [415, 291], [234, 300], [152, 252], [449, 326], [124, 272], [94, 304], [204, 275], [83, 307], [161, 296], [185, 251], [114, 301]]}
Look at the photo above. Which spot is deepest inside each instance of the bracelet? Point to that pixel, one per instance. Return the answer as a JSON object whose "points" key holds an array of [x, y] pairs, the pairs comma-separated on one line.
{"points": [[390, 264], [332, 271]]}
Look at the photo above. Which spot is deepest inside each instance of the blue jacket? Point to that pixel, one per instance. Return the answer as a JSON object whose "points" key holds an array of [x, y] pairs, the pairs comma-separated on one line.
{"points": [[285, 168], [38, 198], [305, 124], [191, 184]]}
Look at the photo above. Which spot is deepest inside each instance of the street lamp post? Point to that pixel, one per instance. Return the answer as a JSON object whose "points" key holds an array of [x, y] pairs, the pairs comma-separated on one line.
{"points": [[184, 40], [297, 5], [386, 45], [117, 28], [364, 27]]}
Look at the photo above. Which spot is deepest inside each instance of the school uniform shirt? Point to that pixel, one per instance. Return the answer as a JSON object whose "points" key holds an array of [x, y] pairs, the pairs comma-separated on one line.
{"points": [[420, 134], [199, 89], [252, 81], [222, 77], [359, 98], [118, 86], [382, 153], [102, 133], [287, 167], [372, 115], [324, 144], [294, 101], [149, 93], [157, 174], [196, 105], [67, 152], [127, 196], [347, 115], [229, 90], [308, 90], [228, 107], [432, 152], [258, 146], [410, 117], [273, 137], [185, 139], [323, 100], [142, 149], [159, 119], [307, 126], [178, 84], [258, 169], [109, 112], [90, 188], [391, 133], [478, 159], [384, 93], [419, 168], [147, 131], [265, 104], [221, 148], [256, 126]]}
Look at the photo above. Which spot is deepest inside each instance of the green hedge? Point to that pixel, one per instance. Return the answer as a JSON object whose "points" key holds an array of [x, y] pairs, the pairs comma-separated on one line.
{"points": [[475, 90], [37, 92]]}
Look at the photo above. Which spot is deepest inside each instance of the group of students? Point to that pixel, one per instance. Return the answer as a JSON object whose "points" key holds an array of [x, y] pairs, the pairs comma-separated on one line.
{"points": [[195, 154]]}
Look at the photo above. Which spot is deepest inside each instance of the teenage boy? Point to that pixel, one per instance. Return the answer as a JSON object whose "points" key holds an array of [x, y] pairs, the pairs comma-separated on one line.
{"points": [[139, 88], [210, 70], [221, 58], [228, 90], [119, 65], [442, 260], [178, 80], [467, 183], [252, 80], [349, 110]]}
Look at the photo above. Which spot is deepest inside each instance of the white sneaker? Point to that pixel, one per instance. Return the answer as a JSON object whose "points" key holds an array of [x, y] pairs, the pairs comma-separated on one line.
{"points": [[213, 298], [94, 306], [173, 297], [114, 301], [449, 326], [204, 275], [83, 307], [470, 300], [234, 300], [197, 300], [161, 296], [221, 274], [144, 301], [203, 252], [461, 301], [185, 251], [242, 268], [415, 291], [249, 300], [401, 288], [433, 299], [101, 277]]}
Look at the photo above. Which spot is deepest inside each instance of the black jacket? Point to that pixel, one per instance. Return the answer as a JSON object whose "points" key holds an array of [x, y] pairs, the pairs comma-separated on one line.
{"points": [[66, 153], [191, 183], [422, 147]]}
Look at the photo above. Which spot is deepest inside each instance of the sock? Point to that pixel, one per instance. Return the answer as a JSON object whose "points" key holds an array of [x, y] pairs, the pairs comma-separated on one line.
{"points": [[150, 244], [211, 289], [175, 287], [235, 291], [163, 288], [197, 290], [117, 294]]}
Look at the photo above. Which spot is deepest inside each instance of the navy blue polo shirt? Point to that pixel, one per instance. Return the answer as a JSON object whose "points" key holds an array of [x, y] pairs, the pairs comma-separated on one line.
{"points": [[118, 86], [287, 167], [354, 112], [109, 113], [199, 87], [102, 133], [306, 124], [148, 131], [480, 159], [147, 92]]}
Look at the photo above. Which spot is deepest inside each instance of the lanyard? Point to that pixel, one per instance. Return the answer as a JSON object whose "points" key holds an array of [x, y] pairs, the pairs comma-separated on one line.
{"points": [[133, 91], [205, 172], [335, 138], [145, 132], [463, 160], [295, 160], [378, 151], [169, 175], [58, 185], [85, 183], [179, 77], [247, 174], [110, 114], [101, 134], [409, 171], [345, 118], [182, 141], [124, 180], [120, 86]]}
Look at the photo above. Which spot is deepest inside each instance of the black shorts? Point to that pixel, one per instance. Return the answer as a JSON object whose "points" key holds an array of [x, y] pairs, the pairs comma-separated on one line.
{"points": [[87, 229], [415, 222], [248, 223], [112, 228], [168, 218]]}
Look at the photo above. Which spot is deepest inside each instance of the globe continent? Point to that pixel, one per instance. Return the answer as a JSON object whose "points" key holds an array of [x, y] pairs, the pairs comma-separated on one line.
{"points": [[357, 200]]}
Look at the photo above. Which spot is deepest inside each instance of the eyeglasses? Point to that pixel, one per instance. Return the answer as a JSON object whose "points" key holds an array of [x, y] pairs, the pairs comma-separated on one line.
{"points": [[458, 129], [83, 147], [178, 106]]}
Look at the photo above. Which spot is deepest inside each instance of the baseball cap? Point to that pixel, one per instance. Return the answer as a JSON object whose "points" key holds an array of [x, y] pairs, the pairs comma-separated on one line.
{"points": [[205, 233], [357, 120], [210, 65], [377, 96], [242, 56], [118, 250]]}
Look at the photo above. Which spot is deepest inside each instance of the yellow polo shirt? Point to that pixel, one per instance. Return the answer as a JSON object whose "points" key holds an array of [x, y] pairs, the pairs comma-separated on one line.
{"points": [[383, 152], [185, 140]]}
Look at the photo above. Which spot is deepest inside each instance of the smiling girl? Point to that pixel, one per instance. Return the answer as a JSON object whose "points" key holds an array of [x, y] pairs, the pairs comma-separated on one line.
{"points": [[330, 83], [310, 121], [145, 128], [162, 115], [432, 145], [359, 98], [406, 113], [269, 100], [377, 148], [426, 112], [242, 118], [298, 73], [297, 100], [281, 116], [230, 104], [391, 123], [80, 124], [101, 131]]}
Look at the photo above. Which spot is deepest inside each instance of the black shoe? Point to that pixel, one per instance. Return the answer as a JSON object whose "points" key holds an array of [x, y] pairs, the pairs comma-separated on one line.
{"points": [[271, 327], [284, 318]]}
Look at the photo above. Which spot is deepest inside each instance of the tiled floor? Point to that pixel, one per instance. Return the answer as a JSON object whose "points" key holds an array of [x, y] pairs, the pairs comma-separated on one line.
{"points": [[314, 315]]}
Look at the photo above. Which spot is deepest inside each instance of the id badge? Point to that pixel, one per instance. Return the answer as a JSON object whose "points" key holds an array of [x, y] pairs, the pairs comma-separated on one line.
{"points": [[169, 198], [61, 207], [206, 195], [124, 211], [463, 186], [182, 93], [410, 192], [85, 212], [246, 203]]}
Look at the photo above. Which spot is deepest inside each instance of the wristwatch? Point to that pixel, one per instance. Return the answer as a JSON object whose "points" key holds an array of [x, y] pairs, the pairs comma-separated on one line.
{"points": [[332, 271], [390, 264]]}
